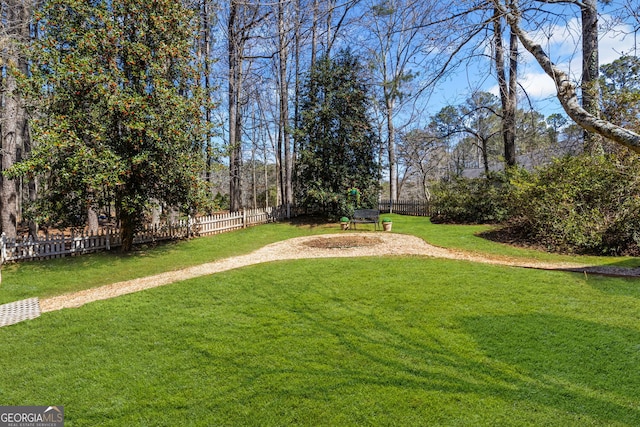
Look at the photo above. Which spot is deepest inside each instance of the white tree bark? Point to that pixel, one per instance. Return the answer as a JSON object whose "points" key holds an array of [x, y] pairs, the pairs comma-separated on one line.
{"points": [[567, 94]]}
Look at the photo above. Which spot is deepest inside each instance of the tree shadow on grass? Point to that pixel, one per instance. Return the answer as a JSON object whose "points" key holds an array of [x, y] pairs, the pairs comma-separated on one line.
{"points": [[577, 368], [310, 221], [621, 286]]}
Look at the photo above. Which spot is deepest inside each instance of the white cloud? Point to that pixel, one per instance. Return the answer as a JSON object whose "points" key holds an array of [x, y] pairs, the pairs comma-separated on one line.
{"points": [[565, 49], [563, 44], [616, 43], [538, 85]]}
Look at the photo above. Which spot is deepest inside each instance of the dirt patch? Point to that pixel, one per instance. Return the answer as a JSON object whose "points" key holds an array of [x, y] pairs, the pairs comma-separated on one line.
{"points": [[343, 242]]}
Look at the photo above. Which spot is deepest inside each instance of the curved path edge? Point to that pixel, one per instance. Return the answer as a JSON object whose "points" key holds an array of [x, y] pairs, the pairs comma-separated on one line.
{"points": [[298, 248]]}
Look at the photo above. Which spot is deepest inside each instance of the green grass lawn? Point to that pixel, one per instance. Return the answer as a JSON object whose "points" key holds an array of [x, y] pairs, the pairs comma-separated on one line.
{"points": [[58, 276], [368, 341], [466, 237]]}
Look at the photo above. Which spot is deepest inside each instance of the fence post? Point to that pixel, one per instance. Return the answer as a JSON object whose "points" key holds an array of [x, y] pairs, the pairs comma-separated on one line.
{"points": [[244, 218]]}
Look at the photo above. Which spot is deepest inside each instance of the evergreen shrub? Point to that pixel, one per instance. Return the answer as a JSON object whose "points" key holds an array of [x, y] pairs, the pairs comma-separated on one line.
{"points": [[584, 204], [472, 200], [577, 204]]}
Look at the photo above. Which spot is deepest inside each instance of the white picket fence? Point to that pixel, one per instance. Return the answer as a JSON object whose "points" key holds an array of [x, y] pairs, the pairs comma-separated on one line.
{"points": [[62, 245]]}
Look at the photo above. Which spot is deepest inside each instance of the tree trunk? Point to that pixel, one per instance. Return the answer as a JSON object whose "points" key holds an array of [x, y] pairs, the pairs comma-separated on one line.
{"points": [[508, 94], [593, 143], [279, 168], [205, 51], [391, 148], [254, 148], [92, 220], [235, 82], [329, 6], [235, 167], [266, 178], [126, 218], [510, 122], [314, 34], [485, 155], [155, 214], [127, 232], [297, 94], [284, 105], [14, 127], [10, 138], [32, 188], [567, 91]]}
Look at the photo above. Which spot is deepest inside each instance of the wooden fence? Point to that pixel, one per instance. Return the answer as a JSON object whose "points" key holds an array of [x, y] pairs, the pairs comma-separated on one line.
{"points": [[405, 207], [62, 245]]}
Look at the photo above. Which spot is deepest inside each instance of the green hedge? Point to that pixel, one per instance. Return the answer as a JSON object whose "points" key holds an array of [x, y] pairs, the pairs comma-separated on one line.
{"points": [[581, 204], [584, 204], [472, 201]]}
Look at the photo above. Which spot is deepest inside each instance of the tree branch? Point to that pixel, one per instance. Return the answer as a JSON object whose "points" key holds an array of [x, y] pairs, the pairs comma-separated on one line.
{"points": [[567, 94]]}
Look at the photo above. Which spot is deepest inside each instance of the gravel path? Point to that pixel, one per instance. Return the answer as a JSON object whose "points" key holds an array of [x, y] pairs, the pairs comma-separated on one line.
{"points": [[333, 245], [324, 246]]}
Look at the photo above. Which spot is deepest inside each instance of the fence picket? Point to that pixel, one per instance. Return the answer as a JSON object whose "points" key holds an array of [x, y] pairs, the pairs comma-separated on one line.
{"points": [[59, 245], [105, 239], [405, 207]]}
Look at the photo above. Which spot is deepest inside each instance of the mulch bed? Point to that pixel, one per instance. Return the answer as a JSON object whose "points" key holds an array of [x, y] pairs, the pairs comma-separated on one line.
{"points": [[343, 242]]}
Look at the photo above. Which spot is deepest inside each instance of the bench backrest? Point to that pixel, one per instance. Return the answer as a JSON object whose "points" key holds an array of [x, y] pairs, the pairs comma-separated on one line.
{"points": [[366, 213]]}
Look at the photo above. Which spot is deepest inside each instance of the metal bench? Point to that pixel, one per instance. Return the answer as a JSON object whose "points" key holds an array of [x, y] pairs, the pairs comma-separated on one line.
{"points": [[366, 216]]}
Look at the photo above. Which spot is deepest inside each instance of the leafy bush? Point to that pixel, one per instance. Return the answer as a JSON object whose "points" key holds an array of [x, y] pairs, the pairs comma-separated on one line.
{"points": [[581, 204], [584, 204], [472, 201]]}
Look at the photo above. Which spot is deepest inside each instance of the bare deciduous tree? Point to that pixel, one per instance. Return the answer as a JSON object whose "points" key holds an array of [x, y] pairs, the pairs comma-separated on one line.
{"points": [[585, 116], [243, 19], [424, 156], [396, 53]]}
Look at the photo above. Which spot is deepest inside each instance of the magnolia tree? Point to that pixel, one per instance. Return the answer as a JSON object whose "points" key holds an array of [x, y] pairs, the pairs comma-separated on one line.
{"points": [[118, 111], [337, 168]]}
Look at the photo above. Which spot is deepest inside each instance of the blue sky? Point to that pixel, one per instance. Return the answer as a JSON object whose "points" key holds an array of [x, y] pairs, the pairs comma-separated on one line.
{"points": [[561, 42]]}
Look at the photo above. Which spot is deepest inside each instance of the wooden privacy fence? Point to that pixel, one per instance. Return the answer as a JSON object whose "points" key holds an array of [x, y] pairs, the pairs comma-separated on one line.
{"points": [[405, 207], [61, 245]]}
